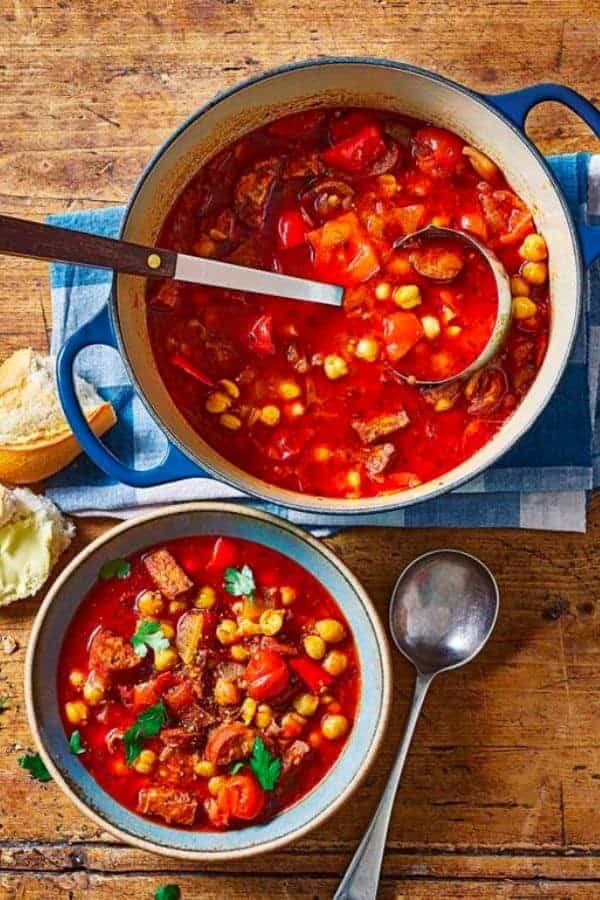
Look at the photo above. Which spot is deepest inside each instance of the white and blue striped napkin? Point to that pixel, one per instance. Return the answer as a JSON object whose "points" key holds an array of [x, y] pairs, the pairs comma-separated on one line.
{"points": [[542, 483]]}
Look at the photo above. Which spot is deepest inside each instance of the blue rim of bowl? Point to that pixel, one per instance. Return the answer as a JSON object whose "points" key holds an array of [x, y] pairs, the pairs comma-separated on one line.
{"points": [[349, 770], [359, 507]]}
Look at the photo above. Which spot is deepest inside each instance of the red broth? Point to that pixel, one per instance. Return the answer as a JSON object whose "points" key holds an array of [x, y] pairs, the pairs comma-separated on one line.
{"points": [[239, 685], [315, 399]]}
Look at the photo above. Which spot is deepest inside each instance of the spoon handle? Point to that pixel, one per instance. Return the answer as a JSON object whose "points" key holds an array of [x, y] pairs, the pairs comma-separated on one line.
{"points": [[362, 875]]}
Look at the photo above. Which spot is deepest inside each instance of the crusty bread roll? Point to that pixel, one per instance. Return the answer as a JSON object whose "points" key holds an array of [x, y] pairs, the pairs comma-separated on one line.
{"points": [[35, 438]]}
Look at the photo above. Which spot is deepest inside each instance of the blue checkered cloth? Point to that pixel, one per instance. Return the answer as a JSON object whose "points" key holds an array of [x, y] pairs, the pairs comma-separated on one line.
{"points": [[542, 482]]}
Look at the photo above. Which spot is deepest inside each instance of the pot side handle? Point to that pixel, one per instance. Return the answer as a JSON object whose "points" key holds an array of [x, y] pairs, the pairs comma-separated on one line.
{"points": [[516, 105], [173, 467]]}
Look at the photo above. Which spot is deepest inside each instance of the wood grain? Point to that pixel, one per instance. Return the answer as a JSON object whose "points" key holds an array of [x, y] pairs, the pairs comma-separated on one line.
{"points": [[502, 787]]}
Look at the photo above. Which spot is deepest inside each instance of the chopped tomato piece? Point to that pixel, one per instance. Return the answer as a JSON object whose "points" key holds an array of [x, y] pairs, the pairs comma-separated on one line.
{"points": [[438, 152], [291, 229], [260, 336], [401, 331], [149, 692], [343, 253], [240, 797], [267, 675], [312, 674], [475, 224], [181, 362], [224, 554], [357, 152], [520, 224]]}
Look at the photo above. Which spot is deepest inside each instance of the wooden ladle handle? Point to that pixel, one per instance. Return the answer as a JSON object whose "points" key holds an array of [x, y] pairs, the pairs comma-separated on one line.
{"points": [[20, 237]]}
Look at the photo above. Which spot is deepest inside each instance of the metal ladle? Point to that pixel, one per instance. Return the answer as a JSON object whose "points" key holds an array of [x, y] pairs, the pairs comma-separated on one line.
{"points": [[503, 312], [443, 609]]}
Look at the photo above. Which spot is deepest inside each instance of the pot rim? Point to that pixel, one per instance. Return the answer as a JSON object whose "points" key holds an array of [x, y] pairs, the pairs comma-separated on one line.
{"points": [[314, 503], [317, 546]]}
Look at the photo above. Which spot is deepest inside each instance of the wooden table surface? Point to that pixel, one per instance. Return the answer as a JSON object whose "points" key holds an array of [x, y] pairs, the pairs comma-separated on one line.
{"points": [[501, 792]]}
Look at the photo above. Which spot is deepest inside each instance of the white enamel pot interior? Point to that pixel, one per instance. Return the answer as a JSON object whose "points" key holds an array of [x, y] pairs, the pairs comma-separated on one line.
{"points": [[354, 82]]}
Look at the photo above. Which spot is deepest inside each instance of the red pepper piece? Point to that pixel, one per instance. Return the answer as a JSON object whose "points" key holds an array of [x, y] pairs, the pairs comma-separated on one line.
{"points": [[181, 362], [356, 153], [224, 554], [291, 229], [312, 674], [260, 336]]}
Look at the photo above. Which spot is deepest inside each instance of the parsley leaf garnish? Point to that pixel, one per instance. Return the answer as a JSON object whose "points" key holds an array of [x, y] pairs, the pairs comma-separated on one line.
{"points": [[34, 764], [75, 744], [240, 582], [114, 568], [149, 634], [167, 892], [267, 768], [148, 724], [236, 766]]}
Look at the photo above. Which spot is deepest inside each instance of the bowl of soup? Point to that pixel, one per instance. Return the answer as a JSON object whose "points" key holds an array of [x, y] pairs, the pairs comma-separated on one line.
{"points": [[323, 170], [208, 682]]}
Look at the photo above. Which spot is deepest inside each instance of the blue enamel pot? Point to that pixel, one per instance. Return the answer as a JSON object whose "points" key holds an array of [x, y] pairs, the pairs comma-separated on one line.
{"points": [[494, 123]]}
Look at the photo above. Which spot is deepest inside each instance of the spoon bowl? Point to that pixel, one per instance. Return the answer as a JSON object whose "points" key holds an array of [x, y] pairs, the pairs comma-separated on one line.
{"points": [[443, 609]]}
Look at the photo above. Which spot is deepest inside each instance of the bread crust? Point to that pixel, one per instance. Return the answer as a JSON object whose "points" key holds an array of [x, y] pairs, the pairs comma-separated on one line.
{"points": [[26, 463]]}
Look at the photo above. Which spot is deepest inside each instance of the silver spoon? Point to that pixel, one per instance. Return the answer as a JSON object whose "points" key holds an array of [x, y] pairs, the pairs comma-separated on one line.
{"points": [[503, 313], [443, 609]]}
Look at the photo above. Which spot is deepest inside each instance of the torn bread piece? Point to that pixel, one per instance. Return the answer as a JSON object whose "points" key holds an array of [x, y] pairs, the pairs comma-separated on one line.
{"points": [[35, 438]]}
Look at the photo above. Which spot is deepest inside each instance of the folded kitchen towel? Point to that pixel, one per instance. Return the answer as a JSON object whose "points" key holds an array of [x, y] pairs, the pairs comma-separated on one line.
{"points": [[541, 483]]}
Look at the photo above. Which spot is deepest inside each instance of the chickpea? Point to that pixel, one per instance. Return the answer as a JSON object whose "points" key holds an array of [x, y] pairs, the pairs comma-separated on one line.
{"points": [[321, 454], [77, 679], [150, 603], [292, 725], [523, 308], [330, 630], [239, 653], [207, 597], [230, 387], [264, 715], [335, 662], [205, 247], [534, 248], [168, 630], [227, 631], [226, 693], [383, 291], [93, 690], [431, 327], [177, 606], [519, 287], [288, 594], [482, 164], [76, 712], [271, 621], [306, 704], [249, 628], [335, 366], [231, 422], [215, 784], [270, 415], [535, 272], [334, 726], [165, 659], [353, 480], [454, 330], [145, 762], [407, 296], [248, 710], [367, 349], [294, 410], [288, 390], [443, 404], [204, 768], [217, 402], [314, 646]]}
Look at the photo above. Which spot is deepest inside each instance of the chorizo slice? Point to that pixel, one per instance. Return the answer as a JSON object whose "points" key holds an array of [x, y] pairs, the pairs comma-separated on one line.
{"points": [[168, 803], [227, 743], [167, 574]]}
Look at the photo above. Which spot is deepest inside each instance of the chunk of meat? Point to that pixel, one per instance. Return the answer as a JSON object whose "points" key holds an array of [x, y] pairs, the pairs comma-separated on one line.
{"points": [[109, 652], [189, 634], [227, 743], [370, 430], [294, 755], [253, 191], [437, 263], [270, 643], [167, 574], [167, 803], [377, 458], [180, 697], [484, 390], [179, 737]]}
